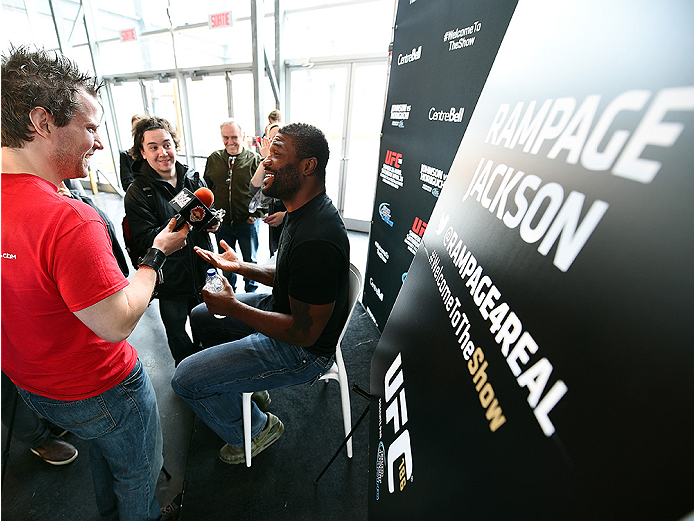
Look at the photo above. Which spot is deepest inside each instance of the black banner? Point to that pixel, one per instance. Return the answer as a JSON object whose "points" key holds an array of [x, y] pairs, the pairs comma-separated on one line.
{"points": [[538, 361], [442, 53]]}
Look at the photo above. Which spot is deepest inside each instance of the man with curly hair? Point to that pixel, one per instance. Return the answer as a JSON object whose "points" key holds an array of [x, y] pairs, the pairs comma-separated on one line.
{"points": [[158, 177], [67, 309]]}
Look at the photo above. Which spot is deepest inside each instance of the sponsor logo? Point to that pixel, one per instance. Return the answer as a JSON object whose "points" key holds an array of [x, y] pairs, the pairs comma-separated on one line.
{"points": [[419, 226], [451, 116], [378, 292], [182, 198], [397, 454], [390, 171], [399, 113], [9, 256], [415, 55], [393, 158], [197, 214], [381, 252], [432, 179], [414, 236], [384, 212], [380, 468]]}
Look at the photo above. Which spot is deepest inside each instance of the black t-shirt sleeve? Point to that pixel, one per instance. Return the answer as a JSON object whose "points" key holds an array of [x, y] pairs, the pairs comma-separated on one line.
{"points": [[315, 272]]}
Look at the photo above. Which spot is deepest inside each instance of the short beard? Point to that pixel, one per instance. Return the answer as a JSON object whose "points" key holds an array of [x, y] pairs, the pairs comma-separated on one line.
{"points": [[69, 167], [286, 186]]}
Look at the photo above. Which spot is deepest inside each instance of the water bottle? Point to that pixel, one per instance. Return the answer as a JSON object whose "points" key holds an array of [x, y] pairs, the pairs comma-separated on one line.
{"points": [[214, 283]]}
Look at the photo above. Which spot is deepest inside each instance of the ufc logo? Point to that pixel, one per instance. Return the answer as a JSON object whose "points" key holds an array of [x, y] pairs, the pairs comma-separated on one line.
{"points": [[393, 158], [419, 226], [396, 412]]}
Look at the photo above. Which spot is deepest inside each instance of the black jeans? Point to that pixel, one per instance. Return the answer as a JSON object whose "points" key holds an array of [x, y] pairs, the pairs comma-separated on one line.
{"points": [[174, 314]]}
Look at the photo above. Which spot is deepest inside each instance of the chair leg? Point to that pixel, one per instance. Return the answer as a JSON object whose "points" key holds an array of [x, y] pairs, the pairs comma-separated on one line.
{"points": [[344, 396], [346, 413], [247, 427]]}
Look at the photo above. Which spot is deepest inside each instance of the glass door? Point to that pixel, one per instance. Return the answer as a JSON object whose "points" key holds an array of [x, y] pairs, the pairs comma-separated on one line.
{"points": [[318, 95], [346, 102], [208, 107], [360, 160]]}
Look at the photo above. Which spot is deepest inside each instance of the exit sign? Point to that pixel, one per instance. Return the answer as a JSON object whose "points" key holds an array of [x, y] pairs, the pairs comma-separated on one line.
{"points": [[128, 35], [220, 20]]}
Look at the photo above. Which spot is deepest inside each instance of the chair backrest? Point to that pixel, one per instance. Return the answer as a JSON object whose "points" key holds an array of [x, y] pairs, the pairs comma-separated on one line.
{"points": [[355, 281]]}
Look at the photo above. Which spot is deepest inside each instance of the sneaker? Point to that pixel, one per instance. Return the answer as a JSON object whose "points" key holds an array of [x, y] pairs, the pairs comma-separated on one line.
{"points": [[170, 512], [262, 399], [271, 433], [55, 451]]}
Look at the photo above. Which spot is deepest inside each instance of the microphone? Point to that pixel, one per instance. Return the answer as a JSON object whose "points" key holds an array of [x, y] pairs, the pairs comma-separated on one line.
{"points": [[194, 209], [205, 195]]}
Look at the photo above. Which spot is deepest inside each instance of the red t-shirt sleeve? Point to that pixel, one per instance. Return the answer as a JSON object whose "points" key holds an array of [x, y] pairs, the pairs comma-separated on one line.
{"points": [[85, 270]]}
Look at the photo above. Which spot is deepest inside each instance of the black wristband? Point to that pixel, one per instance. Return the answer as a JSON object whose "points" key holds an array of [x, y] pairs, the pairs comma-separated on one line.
{"points": [[154, 258]]}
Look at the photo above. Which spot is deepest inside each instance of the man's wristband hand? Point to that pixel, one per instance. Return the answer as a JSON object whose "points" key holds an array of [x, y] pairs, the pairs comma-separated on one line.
{"points": [[154, 258]]}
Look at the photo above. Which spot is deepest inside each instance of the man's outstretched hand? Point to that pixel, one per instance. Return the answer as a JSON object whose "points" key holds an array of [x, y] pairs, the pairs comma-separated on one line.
{"points": [[227, 261]]}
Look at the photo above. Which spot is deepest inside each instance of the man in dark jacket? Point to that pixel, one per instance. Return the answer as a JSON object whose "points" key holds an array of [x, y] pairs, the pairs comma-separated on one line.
{"points": [[158, 177], [228, 173]]}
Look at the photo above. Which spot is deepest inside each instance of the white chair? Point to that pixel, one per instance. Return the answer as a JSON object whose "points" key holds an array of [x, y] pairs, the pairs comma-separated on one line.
{"points": [[336, 372]]}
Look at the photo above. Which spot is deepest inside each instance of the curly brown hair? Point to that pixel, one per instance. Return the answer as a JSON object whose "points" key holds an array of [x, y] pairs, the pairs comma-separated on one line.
{"points": [[143, 126], [39, 78]]}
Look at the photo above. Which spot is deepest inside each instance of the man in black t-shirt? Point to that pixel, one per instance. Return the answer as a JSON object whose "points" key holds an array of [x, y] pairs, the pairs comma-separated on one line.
{"points": [[279, 339]]}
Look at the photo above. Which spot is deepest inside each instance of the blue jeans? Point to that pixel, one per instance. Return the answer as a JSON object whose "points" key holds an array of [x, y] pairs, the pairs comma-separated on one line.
{"points": [[246, 234], [240, 360], [122, 428], [28, 426]]}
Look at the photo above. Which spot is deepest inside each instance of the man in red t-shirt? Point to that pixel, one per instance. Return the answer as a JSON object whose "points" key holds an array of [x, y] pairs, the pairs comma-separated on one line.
{"points": [[66, 307]]}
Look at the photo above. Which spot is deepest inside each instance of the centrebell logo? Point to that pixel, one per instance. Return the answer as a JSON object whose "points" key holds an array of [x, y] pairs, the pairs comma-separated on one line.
{"points": [[450, 116], [415, 55]]}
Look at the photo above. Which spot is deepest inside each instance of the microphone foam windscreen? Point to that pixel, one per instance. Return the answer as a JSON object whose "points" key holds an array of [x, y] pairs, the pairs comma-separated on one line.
{"points": [[205, 195]]}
